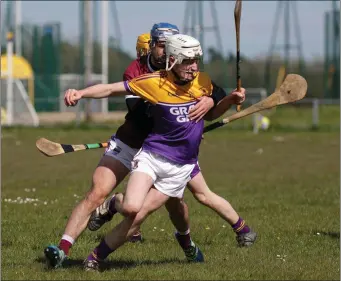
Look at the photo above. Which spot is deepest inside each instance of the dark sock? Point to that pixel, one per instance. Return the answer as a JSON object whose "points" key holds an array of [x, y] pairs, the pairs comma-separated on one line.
{"points": [[112, 208], [240, 226], [101, 252], [65, 246], [184, 240]]}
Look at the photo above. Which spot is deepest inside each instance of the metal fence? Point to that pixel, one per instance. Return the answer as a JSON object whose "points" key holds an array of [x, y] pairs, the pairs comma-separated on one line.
{"points": [[309, 113]]}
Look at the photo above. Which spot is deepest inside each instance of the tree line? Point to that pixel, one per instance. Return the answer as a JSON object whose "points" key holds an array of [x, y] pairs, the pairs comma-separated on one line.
{"points": [[220, 67]]}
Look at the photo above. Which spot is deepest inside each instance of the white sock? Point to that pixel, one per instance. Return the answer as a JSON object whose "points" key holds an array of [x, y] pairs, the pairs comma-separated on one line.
{"points": [[68, 238]]}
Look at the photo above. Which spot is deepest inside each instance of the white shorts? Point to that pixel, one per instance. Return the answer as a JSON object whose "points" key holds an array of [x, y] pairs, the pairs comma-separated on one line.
{"points": [[120, 151], [169, 178]]}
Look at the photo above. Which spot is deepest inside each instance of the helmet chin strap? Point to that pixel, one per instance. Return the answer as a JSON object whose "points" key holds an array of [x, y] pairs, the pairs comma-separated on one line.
{"points": [[167, 64]]}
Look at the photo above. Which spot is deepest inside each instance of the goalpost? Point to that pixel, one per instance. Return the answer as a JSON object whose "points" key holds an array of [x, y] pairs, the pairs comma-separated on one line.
{"points": [[16, 107]]}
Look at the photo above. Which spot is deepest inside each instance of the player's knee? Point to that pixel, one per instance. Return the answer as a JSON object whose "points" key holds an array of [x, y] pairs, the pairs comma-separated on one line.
{"points": [[130, 209], [96, 196], [202, 198]]}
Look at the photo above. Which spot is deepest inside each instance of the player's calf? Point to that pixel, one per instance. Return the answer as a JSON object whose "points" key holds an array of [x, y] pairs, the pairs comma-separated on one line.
{"points": [[115, 239]]}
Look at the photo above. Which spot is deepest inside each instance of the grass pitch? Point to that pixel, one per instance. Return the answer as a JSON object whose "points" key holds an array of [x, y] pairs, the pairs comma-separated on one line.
{"points": [[285, 185]]}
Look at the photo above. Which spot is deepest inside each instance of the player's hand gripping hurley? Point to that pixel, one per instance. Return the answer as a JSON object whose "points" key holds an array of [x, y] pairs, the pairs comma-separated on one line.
{"points": [[294, 88], [237, 16]]}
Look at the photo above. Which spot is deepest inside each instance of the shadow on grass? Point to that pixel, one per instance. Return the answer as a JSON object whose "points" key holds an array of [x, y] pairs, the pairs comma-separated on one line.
{"points": [[331, 234], [117, 264]]}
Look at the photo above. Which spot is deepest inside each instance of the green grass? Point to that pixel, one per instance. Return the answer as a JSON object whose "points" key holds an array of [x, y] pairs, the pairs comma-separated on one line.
{"points": [[286, 186], [292, 117]]}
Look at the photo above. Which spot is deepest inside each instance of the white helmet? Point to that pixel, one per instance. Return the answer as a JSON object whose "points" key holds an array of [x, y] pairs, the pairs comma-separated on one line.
{"points": [[181, 47]]}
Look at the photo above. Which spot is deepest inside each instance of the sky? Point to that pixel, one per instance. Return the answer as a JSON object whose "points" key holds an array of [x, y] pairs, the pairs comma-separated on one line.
{"points": [[136, 17]]}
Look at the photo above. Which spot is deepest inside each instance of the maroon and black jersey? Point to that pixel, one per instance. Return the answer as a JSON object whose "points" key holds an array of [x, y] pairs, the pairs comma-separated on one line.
{"points": [[138, 124]]}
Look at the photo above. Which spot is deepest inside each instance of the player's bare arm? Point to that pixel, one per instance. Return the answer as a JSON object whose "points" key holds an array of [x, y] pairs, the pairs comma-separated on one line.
{"points": [[223, 105], [98, 91], [205, 107]]}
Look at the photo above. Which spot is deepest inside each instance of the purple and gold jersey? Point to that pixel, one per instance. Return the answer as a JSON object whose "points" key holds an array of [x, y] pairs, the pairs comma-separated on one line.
{"points": [[138, 124], [173, 136]]}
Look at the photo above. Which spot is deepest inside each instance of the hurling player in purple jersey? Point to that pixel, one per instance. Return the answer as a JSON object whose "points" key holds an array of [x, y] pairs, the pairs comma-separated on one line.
{"points": [[162, 168], [138, 125], [115, 164]]}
